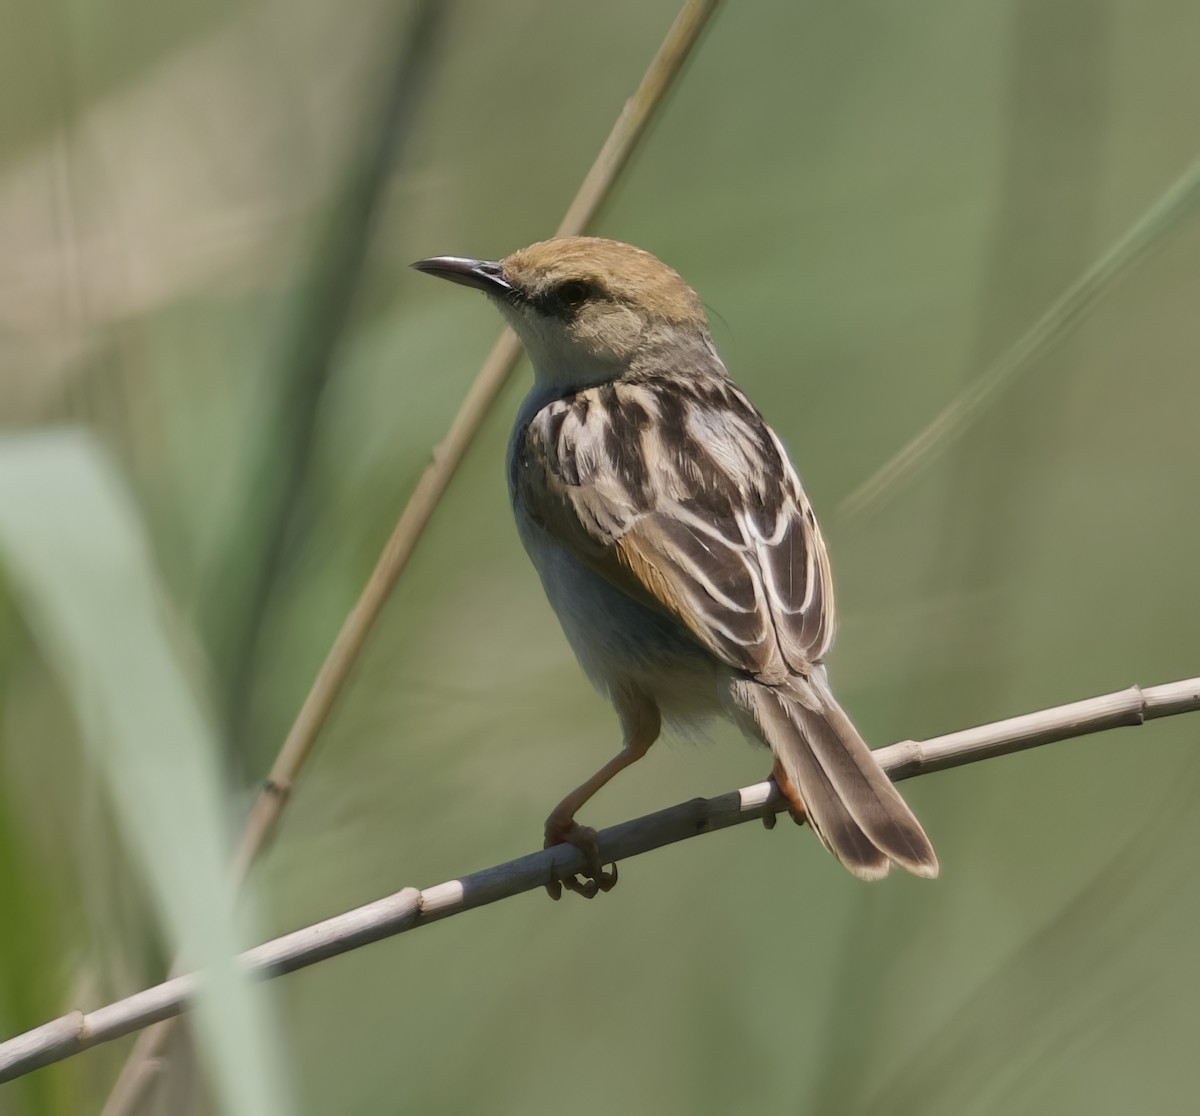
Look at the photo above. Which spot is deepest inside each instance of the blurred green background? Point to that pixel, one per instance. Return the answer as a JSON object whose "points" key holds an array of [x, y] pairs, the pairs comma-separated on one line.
{"points": [[207, 211]]}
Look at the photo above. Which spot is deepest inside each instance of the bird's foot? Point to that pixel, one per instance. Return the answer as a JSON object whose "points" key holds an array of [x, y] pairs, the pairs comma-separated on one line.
{"points": [[794, 808], [594, 879]]}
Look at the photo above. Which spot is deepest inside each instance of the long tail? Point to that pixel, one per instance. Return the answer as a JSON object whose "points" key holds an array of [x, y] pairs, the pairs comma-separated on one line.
{"points": [[849, 800]]}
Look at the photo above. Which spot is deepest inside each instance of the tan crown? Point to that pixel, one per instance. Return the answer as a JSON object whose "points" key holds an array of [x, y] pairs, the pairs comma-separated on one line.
{"points": [[620, 271]]}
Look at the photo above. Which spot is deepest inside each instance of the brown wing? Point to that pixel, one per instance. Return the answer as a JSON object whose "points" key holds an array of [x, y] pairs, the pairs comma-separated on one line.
{"points": [[682, 496]]}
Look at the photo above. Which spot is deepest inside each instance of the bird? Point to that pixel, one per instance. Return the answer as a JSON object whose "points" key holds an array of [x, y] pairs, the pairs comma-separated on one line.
{"points": [[675, 542]]}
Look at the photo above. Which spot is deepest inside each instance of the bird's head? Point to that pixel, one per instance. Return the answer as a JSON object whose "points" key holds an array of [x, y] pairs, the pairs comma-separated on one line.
{"points": [[588, 310]]}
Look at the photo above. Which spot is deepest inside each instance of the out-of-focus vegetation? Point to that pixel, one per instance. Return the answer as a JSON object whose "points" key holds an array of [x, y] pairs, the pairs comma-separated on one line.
{"points": [[875, 200]]}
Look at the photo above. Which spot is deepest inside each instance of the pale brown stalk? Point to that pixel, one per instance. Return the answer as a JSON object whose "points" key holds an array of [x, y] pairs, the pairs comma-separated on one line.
{"points": [[447, 454], [412, 907], [264, 814]]}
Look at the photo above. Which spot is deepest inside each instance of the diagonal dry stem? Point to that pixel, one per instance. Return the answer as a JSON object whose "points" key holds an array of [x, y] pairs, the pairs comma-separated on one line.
{"points": [[628, 129], [411, 907]]}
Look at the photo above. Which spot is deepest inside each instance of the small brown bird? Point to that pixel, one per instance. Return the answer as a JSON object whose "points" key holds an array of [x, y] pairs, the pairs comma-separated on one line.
{"points": [[674, 541]]}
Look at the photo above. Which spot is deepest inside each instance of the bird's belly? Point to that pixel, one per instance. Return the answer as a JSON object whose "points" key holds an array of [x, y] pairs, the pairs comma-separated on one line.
{"points": [[619, 641]]}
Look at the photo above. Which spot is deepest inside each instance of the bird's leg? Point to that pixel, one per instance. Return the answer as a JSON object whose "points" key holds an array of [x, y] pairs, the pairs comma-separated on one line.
{"points": [[795, 805], [640, 723]]}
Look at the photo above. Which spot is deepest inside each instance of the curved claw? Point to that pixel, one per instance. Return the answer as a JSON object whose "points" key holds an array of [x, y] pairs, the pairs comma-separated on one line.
{"points": [[594, 878], [769, 820], [591, 886]]}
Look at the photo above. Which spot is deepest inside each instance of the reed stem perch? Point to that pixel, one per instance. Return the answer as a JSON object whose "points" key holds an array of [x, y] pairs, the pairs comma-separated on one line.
{"points": [[410, 907]]}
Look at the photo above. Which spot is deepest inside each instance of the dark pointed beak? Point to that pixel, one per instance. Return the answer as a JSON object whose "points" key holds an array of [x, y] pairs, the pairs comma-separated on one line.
{"points": [[483, 275]]}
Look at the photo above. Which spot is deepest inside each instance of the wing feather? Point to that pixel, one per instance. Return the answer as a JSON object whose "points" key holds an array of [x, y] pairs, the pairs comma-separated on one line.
{"points": [[683, 497]]}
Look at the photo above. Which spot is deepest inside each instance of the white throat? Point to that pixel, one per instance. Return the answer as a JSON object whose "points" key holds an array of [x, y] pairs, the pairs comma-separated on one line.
{"points": [[559, 363]]}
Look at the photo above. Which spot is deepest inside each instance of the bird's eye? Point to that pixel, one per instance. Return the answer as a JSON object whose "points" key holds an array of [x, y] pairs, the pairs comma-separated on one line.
{"points": [[573, 293]]}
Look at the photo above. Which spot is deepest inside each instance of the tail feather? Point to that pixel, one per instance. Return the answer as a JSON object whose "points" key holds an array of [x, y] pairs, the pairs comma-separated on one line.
{"points": [[822, 804], [853, 806]]}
